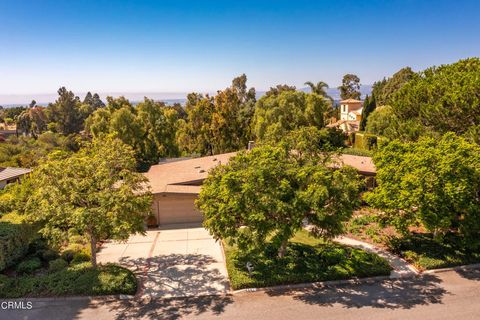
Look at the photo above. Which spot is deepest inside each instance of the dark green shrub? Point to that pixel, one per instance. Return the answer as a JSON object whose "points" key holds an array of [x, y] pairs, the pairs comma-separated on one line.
{"points": [[37, 246], [15, 236], [49, 255], [29, 266], [80, 257], [371, 141], [70, 251], [57, 265]]}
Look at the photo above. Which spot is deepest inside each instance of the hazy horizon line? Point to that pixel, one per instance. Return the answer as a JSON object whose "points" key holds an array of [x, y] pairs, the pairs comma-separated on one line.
{"points": [[45, 98]]}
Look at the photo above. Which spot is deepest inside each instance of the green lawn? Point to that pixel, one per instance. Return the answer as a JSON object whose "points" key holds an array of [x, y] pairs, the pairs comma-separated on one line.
{"points": [[77, 279], [307, 260], [424, 253]]}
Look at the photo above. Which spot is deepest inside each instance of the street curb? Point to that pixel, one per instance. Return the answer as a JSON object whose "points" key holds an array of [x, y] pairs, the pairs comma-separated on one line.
{"points": [[464, 267], [228, 286], [74, 298], [314, 285], [369, 280]]}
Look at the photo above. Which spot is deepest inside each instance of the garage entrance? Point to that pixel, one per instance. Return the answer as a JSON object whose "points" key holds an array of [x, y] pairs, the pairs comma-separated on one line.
{"points": [[176, 209]]}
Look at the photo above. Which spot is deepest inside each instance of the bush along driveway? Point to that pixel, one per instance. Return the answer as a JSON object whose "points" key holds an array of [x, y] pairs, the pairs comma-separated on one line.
{"points": [[307, 260]]}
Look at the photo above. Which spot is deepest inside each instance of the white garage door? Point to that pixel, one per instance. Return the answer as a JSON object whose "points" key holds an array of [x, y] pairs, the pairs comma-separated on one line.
{"points": [[177, 208]]}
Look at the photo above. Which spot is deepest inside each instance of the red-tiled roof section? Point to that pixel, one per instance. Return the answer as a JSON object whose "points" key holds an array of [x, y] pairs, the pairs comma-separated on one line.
{"points": [[347, 101], [174, 177]]}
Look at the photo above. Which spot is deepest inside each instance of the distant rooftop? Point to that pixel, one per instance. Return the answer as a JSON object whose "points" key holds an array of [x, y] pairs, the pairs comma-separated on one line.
{"points": [[9, 173], [346, 101]]}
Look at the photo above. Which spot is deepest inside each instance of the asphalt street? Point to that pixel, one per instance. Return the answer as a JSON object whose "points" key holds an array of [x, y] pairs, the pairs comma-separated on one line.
{"points": [[447, 295]]}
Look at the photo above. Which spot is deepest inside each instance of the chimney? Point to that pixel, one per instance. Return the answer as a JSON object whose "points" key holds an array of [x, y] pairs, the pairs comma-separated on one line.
{"points": [[251, 145]]}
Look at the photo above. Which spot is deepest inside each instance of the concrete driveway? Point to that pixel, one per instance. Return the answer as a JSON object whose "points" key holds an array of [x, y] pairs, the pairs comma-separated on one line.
{"points": [[181, 262]]}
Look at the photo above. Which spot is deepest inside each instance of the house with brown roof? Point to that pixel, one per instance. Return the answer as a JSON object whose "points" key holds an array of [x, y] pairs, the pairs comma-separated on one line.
{"points": [[11, 174], [175, 185]]}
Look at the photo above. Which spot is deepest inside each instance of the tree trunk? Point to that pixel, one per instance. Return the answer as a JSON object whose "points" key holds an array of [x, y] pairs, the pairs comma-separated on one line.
{"points": [[282, 249], [93, 249]]}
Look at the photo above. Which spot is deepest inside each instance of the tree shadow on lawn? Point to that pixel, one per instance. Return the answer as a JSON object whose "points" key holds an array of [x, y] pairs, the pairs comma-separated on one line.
{"points": [[403, 293]]}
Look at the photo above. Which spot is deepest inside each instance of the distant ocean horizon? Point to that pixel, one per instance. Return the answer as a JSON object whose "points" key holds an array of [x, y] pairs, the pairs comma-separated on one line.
{"points": [[9, 101]]}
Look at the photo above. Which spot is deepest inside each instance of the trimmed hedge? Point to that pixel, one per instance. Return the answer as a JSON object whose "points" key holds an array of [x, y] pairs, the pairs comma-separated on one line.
{"points": [[367, 141], [15, 236]]}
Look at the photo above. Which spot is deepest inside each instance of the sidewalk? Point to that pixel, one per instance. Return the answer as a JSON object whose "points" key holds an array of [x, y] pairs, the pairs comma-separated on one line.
{"points": [[401, 268]]}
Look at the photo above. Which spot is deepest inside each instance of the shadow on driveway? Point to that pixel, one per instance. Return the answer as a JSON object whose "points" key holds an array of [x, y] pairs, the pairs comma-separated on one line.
{"points": [[404, 293], [178, 275], [470, 274]]}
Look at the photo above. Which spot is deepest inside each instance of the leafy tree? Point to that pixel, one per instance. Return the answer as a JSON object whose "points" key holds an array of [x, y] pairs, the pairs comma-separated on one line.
{"points": [[65, 113], [98, 122], [369, 105], [95, 191], [442, 99], [194, 133], [158, 123], [26, 152], [279, 88], [10, 113], [384, 122], [266, 193], [218, 124], [432, 182], [275, 115], [125, 127], [384, 90], [32, 121], [350, 88], [246, 110], [312, 143], [90, 104], [88, 98], [149, 128]]}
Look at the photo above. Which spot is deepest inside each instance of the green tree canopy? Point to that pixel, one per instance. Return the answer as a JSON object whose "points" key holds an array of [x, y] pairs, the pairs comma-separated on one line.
{"points": [[369, 105], [266, 192], [218, 124], [149, 128], [95, 191], [275, 115], [65, 113], [434, 183], [350, 88], [279, 88], [437, 100], [385, 89]]}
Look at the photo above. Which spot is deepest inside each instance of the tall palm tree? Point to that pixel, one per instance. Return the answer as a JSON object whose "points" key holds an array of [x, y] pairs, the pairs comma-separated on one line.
{"points": [[320, 88]]}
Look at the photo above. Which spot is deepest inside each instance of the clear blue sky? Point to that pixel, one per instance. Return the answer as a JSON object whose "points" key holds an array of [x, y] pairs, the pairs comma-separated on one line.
{"points": [[182, 46]]}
